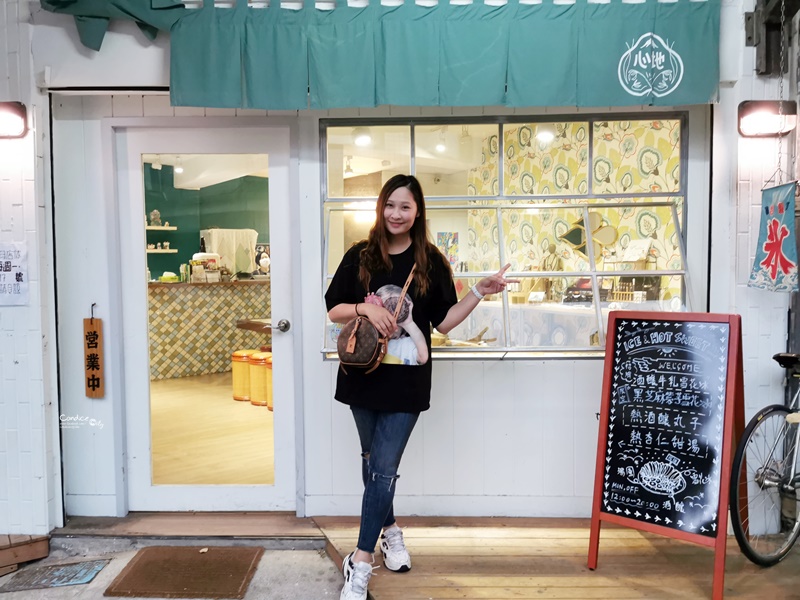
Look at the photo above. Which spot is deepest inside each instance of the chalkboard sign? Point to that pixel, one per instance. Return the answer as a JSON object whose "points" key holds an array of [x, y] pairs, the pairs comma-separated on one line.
{"points": [[672, 390], [664, 444]]}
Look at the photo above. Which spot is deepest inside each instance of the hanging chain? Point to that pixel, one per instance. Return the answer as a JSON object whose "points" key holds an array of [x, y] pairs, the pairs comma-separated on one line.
{"points": [[780, 90]]}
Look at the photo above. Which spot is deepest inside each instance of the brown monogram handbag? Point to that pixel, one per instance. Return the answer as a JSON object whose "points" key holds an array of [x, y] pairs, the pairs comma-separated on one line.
{"points": [[360, 344]]}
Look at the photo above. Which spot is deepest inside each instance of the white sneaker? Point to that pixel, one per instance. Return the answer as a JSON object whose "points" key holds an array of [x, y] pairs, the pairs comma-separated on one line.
{"points": [[393, 548], [356, 579]]}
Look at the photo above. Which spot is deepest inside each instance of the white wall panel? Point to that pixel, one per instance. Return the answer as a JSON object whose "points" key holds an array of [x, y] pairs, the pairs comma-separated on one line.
{"points": [[469, 441], [92, 465], [527, 429], [499, 393], [191, 111], [27, 410], [587, 399], [555, 393], [345, 451], [159, 106], [127, 106], [319, 431], [526, 447], [127, 59], [438, 427]]}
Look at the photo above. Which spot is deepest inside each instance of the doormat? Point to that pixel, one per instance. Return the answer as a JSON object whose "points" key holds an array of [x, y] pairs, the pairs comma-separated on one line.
{"points": [[187, 572], [54, 576]]}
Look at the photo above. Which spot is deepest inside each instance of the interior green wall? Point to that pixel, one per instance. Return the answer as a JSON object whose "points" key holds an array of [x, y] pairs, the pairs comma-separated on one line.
{"points": [[237, 204], [181, 208]]}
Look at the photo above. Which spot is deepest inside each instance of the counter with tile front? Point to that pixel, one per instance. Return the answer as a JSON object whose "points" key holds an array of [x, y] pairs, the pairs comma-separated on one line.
{"points": [[193, 326]]}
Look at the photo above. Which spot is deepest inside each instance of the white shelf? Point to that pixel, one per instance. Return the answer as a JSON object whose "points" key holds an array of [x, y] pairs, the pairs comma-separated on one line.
{"points": [[162, 251], [160, 228]]}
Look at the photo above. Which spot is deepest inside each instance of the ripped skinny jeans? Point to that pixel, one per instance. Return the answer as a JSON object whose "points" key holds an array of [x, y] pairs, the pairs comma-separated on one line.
{"points": [[383, 436]]}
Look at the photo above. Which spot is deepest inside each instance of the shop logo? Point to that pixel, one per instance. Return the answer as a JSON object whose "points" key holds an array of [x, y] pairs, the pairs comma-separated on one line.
{"points": [[77, 421], [650, 66]]}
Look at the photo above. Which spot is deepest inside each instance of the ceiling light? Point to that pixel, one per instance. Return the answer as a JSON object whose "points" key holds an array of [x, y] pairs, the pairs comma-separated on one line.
{"points": [[178, 166], [361, 136], [13, 120], [545, 133], [767, 118], [156, 164], [440, 145]]}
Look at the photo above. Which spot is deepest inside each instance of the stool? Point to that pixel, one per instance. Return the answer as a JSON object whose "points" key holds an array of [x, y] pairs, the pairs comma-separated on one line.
{"points": [[240, 370], [261, 379]]}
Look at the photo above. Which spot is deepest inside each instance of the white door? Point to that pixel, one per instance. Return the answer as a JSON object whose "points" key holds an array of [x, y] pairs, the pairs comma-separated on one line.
{"points": [[189, 444]]}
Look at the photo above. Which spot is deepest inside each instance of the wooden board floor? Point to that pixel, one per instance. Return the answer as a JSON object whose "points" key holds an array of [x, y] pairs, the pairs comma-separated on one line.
{"points": [[503, 558], [201, 435]]}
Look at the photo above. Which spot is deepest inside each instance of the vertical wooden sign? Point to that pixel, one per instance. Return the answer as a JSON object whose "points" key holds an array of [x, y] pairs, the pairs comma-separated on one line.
{"points": [[672, 403], [94, 374]]}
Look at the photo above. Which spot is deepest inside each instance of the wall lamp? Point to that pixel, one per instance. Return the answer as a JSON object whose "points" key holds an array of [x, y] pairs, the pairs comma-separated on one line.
{"points": [[13, 120], [767, 118]]}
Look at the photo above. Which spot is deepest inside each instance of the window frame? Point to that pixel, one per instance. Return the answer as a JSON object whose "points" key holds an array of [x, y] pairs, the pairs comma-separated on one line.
{"points": [[505, 201]]}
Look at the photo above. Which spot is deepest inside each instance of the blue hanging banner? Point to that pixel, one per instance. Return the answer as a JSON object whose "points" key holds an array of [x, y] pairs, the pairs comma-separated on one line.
{"points": [[775, 265]]}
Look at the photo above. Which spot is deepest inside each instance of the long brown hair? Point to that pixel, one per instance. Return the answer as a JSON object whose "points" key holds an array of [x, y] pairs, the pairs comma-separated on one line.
{"points": [[375, 256]]}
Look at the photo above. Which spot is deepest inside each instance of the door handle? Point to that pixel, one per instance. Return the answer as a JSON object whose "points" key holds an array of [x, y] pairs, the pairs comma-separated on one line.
{"points": [[283, 325]]}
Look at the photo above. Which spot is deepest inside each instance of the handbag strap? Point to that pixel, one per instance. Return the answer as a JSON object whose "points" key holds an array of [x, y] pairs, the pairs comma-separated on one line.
{"points": [[403, 293]]}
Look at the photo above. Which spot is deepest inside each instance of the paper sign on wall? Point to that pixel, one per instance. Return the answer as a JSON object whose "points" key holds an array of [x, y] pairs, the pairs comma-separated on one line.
{"points": [[13, 274], [94, 374]]}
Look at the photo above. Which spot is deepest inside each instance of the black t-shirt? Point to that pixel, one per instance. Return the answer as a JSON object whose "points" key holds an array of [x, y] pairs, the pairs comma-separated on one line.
{"points": [[398, 384]]}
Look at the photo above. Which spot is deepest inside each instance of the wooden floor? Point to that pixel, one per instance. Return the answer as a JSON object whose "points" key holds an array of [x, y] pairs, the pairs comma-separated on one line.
{"points": [[201, 435], [546, 558], [494, 558]]}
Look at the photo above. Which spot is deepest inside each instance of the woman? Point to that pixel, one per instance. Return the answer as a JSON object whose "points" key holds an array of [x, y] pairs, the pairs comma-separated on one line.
{"points": [[387, 402]]}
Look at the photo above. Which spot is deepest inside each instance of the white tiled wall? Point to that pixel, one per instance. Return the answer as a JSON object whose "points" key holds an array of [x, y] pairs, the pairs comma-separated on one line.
{"points": [[30, 494], [741, 169]]}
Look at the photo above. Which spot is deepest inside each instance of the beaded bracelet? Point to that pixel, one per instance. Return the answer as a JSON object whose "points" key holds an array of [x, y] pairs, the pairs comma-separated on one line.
{"points": [[475, 291]]}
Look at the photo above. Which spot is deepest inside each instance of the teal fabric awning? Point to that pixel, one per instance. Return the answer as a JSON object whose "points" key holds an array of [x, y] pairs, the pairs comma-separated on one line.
{"points": [[582, 54], [92, 17]]}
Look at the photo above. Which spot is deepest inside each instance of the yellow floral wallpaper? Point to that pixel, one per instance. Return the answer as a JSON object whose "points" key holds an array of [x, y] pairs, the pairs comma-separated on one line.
{"points": [[483, 180], [640, 157], [528, 232], [636, 157], [553, 168]]}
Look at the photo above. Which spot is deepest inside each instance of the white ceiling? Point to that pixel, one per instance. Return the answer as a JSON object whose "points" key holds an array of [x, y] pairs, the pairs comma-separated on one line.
{"points": [[203, 170]]}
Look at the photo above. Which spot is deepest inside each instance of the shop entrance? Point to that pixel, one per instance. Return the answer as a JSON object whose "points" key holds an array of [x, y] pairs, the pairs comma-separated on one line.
{"points": [[209, 392]]}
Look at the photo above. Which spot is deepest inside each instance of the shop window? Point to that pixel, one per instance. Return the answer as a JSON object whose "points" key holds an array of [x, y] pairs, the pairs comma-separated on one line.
{"points": [[546, 159], [361, 158], [589, 214], [636, 157], [457, 159]]}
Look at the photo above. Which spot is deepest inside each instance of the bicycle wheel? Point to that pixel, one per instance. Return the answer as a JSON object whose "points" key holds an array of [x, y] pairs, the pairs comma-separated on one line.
{"points": [[764, 502]]}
